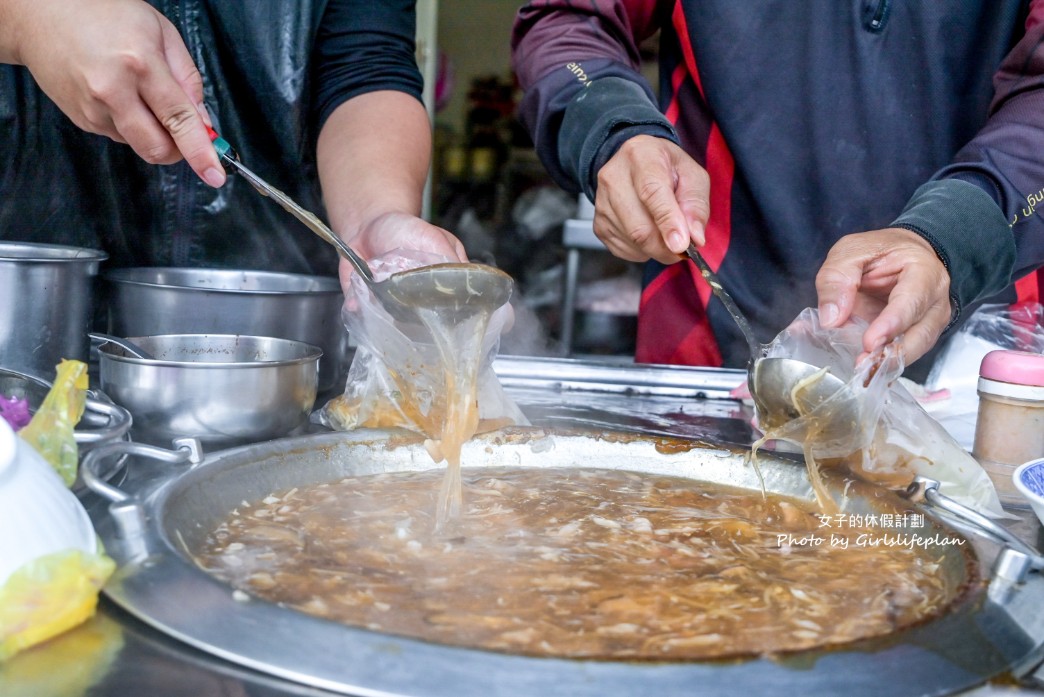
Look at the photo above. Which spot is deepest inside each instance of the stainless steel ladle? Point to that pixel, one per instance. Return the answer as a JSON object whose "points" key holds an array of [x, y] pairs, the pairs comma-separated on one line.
{"points": [[470, 288], [785, 389], [452, 290], [772, 381]]}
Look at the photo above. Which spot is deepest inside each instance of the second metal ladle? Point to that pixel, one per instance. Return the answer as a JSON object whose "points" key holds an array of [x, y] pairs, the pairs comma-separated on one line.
{"points": [[772, 381], [469, 288], [129, 347]]}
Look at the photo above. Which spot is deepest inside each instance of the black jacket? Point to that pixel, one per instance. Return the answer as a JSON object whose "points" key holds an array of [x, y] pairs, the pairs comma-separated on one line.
{"points": [[272, 72]]}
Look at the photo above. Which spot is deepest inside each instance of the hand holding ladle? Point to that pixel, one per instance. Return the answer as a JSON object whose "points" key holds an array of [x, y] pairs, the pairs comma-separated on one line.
{"points": [[468, 288]]}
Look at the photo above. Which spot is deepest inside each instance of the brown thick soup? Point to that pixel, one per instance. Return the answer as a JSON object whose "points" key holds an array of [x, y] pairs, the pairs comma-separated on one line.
{"points": [[578, 563]]}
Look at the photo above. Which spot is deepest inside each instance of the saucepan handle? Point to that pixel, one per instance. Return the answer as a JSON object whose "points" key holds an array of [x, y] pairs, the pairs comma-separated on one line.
{"points": [[188, 450], [112, 421], [927, 490]]}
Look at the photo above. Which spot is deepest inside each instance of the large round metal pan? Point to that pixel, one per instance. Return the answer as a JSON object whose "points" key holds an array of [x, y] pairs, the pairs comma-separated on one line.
{"points": [[164, 512]]}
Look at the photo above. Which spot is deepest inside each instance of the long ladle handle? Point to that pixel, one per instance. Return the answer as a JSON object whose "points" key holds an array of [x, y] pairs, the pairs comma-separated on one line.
{"points": [[128, 346], [230, 161], [715, 285]]}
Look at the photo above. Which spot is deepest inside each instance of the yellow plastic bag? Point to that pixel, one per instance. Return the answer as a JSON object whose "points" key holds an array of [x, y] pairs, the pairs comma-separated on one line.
{"points": [[51, 430], [57, 591], [84, 656], [48, 596]]}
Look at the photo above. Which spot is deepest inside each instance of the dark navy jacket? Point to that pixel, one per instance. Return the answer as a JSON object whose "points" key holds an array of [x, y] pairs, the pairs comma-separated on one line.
{"points": [[814, 119], [272, 70]]}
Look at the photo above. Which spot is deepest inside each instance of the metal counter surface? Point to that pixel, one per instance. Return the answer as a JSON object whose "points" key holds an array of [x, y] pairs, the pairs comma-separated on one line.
{"points": [[115, 655]]}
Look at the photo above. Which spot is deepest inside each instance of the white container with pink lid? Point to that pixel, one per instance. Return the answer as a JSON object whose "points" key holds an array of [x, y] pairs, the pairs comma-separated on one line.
{"points": [[1009, 430]]}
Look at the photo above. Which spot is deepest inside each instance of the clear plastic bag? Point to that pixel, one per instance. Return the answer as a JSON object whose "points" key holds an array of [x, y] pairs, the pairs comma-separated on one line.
{"points": [[435, 378], [956, 370], [893, 438], [1017, 327], [397, 378]]}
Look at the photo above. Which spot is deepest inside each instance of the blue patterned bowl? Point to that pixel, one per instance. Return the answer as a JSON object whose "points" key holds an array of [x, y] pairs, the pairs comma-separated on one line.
{"points": [[1029, 480]]}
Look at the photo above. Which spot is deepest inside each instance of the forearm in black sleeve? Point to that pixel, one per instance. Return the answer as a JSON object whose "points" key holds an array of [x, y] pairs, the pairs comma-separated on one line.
{"points": [[364, 46], [578, 126], [597, 122], [584, 96], [981, 212]]}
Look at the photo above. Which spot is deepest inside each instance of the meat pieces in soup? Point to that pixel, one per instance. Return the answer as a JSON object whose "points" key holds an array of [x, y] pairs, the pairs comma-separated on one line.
{"points": [[577, 563]]}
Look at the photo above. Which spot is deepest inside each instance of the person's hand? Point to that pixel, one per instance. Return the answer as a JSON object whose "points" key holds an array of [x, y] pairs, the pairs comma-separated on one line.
{"points": [[392, 231], [118, 68], [891, 278], [652, 201]]}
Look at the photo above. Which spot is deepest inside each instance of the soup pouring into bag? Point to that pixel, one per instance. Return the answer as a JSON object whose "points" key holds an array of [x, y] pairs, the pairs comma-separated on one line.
{"points": [[867, 421], [435, 377], [427, 339]]}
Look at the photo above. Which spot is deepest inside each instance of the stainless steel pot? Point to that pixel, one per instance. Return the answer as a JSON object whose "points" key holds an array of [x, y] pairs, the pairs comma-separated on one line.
{"points": [[156, 522], [48, 293], [223, 389], [153, 301]]}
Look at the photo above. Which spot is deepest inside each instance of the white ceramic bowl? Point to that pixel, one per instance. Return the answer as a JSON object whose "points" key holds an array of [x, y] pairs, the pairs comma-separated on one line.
{"points": [[1029, 480], [38, 513]]}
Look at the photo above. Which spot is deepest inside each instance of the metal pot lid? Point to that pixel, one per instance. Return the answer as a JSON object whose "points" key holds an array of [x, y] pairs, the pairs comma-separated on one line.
{"points": [[35, 252], [161, 513]]}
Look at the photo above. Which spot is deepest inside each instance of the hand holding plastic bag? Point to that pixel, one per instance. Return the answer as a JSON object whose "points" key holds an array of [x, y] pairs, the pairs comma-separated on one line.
{"points": [[435, 377], [892, 438]]}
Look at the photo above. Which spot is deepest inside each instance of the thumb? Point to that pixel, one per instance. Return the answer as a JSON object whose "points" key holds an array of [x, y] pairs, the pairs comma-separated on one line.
{"points": [[692, 192]]}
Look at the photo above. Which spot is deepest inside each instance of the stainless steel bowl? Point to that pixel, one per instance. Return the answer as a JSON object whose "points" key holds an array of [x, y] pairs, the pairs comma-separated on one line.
{"points": [[47, 293], [154, 301], [223, 389]]}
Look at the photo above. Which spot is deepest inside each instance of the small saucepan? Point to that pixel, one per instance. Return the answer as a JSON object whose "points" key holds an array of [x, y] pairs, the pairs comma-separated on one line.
{"points": [[225, 389]]}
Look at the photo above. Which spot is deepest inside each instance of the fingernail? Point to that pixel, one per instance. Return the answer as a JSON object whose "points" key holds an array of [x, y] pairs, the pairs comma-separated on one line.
{"points": [[214, 177], [701, 233], [676, 240], [828, 315], [204, 114]]}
